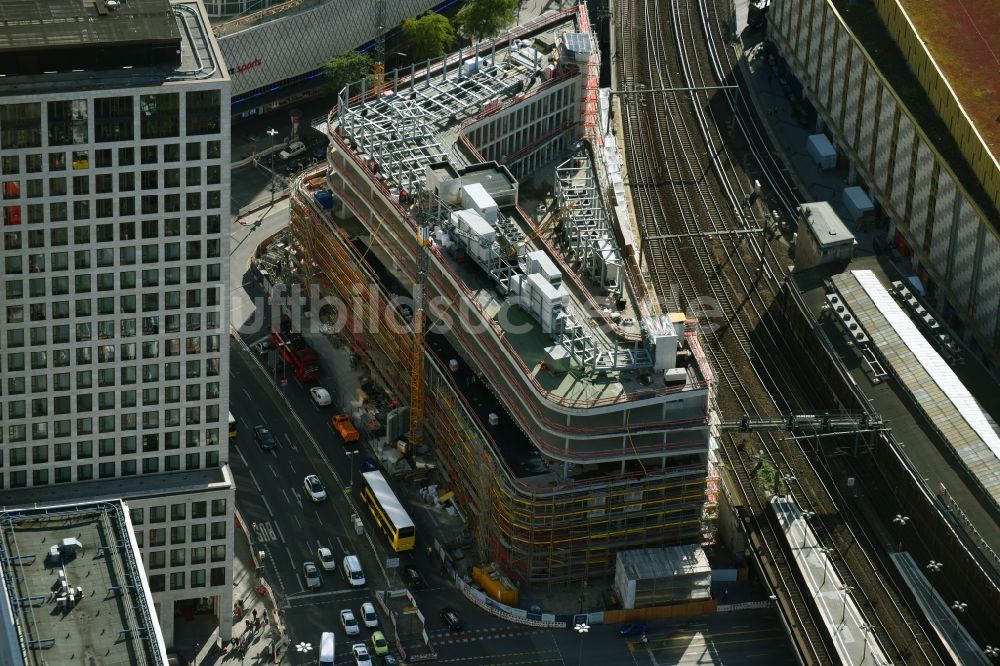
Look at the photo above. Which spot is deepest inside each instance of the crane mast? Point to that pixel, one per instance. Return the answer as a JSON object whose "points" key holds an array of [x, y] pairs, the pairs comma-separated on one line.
{"points": [[419, 334], [379, 70]]}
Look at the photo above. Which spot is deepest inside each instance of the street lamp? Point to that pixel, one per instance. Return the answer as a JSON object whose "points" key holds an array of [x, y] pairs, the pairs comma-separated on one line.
{"points": [[271, 132], [825, 553], [900, 520], [805, 515], [958, 607], [846, 589], [581, 629], [865, 628], [991, 652], [350, 463], [934, 566], [787, 478]]}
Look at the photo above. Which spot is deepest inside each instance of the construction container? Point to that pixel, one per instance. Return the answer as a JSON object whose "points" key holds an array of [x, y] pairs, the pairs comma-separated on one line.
{"points": [[662, 576], [821, 151], [541, 263], [541, 300], [475, 196], [324, 198], [857, 202], [495, 584]]}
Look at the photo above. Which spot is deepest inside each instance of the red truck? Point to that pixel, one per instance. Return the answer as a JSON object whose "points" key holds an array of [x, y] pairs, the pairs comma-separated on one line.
{"points": [[298, 354]]}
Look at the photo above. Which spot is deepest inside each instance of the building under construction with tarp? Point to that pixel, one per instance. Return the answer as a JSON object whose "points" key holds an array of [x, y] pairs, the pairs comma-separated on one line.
{"points": [[569, 416]]}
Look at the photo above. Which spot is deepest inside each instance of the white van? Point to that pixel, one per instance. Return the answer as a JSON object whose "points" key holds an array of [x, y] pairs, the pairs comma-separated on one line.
{"points": [[352, 571], [327, 654]]}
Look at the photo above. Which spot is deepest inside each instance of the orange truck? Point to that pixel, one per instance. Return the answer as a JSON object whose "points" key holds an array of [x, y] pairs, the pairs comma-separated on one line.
{"points": [[342, 424]]}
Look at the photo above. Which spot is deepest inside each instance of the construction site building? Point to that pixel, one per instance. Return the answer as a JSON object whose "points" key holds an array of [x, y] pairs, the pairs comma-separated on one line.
{"points": [[569, 417]]}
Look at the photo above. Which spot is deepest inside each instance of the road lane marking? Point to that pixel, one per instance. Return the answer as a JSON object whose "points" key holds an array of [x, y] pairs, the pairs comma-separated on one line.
{"points": [[318, 519], [246, 393], [280, 535], [285, 495], [261, 415], [297, 521]]}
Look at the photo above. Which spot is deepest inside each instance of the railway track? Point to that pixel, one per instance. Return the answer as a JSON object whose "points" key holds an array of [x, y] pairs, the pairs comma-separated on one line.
{"points": [[678, 193]]}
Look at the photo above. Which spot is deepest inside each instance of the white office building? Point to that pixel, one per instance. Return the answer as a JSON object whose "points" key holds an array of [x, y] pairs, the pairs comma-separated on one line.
{"points": [[114, 152]]}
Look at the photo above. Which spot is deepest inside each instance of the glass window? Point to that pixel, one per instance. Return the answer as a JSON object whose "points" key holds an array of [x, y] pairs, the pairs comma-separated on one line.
{"points": [[203, 112], [159, 115], [113, 120], [20, 126]]}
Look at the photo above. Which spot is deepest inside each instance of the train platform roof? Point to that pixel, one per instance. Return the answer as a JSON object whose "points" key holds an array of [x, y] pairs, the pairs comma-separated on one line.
{"points": [[905, 414]]}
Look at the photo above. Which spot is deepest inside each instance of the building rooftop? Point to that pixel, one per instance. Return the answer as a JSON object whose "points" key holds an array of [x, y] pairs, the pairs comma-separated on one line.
{"points": [[75, 587], [659, 562], [82, 44], [925, 376], [826, 226], [864, 21], [414, 132], [41, 35], [144, 485], [920, 444], [962, 37]]}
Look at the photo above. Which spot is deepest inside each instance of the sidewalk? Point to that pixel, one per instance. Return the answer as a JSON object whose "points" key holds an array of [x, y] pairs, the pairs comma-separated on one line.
{"points": [[257, 629]]}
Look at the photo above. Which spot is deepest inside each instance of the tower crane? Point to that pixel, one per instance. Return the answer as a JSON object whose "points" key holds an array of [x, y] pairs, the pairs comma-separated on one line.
{"points": [[379, 69], [419, 335]]}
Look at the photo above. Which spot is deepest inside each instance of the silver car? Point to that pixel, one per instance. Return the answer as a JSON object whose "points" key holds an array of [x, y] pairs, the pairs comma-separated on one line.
{"points": [[311, 574]]}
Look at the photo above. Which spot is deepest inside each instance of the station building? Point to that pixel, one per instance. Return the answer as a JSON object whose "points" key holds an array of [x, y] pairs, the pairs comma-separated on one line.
{"points": [[114, 325], [894, 81], [569, 416]]}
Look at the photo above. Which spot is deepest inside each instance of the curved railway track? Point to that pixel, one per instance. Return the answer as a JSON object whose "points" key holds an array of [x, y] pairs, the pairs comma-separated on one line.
{"points": [[685, 204]]}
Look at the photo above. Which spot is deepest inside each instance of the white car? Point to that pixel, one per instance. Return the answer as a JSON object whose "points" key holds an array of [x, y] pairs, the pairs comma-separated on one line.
{"points": [[368, 615], [293, 149], [348, 622], [361, 656], [320, 396], [314, 488], [311, 574], [326, 559]]}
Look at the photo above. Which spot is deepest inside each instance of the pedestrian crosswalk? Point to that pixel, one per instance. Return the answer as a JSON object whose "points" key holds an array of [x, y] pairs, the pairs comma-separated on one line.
{"points": [[264, 532], [445, 637]]}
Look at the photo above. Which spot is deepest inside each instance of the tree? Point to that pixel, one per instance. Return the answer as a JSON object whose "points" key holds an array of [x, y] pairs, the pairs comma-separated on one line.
{"points": [[347, 68], [480, 19], [427, 36]]}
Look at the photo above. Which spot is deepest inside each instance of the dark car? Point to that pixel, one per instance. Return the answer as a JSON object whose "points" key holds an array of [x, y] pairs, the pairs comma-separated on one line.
{"points": [[450, 617], [413, 577], [264, 438], [632, 629]]}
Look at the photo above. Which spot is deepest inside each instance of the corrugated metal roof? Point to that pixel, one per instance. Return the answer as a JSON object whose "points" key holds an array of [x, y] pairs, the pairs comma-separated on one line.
{"points": [[926, 376]]}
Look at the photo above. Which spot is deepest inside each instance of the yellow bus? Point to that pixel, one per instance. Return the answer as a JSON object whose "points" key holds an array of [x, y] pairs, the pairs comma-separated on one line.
{"points": [[232, 425], [390, 515]]}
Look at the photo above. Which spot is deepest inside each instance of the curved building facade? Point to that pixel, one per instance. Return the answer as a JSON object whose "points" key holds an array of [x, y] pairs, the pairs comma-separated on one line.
{"points": [[557, 468]]}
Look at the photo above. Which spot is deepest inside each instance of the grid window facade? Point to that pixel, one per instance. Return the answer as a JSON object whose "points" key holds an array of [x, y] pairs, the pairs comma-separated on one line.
{"points": [[113, 330]]}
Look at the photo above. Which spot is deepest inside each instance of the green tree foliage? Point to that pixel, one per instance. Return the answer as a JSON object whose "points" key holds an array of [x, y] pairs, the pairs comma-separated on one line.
{"points": [[480, 19], [766, 476], [427, 36], [347, 68]]}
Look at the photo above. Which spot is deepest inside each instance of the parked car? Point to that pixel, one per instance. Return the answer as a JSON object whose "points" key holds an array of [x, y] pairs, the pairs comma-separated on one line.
{"points": [[389, 660], [264, 438], [450, 617], [369, 465], [311, 574], [314, 488], [320, 396], [326, 559], [294, 149], [632, 629], [413, 577], [379, 644], [348, 622], [368, 615], [361, 656]]}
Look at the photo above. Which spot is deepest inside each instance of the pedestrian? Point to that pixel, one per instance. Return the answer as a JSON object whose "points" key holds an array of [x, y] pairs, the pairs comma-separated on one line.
{"points": [[254, 613], [725, 595], [246, 624], [266, 620], [256, 624]]}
